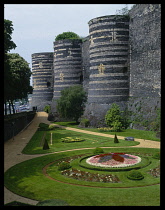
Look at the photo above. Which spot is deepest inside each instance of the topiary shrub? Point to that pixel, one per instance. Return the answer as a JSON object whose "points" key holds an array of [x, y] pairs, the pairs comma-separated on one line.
{"points": [[52, 202], [135, 175], [45, 146], [116, 139], [98, 151], [63, 165]]}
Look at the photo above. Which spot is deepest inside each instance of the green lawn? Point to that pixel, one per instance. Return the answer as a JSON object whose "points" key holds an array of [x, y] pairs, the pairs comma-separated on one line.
{"points": [[34, 146], [140, 134], [27, 179]]}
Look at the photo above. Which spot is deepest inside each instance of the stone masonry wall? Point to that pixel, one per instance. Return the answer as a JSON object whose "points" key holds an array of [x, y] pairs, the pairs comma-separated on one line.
{"points": [[145, 61]]}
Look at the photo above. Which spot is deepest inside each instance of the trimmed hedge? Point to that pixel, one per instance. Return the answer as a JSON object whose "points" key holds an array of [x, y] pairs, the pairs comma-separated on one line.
{"points": [[135, 175], [145, 162]]}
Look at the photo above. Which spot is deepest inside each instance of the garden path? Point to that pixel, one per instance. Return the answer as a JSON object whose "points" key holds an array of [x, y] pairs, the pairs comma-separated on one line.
{"points": [[13, 150]]}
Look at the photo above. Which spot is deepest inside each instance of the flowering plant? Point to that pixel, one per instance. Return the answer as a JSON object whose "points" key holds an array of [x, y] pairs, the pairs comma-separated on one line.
{"points": [[113, 160]]}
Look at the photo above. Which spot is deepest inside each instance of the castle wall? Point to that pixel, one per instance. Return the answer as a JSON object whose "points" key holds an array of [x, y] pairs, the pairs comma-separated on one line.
{"points": [[42, 78], [119, 62], [145, 61], [67, 66], [109, 77]]}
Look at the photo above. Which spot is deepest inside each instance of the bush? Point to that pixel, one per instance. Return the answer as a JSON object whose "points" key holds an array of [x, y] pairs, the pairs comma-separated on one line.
{"points": [[116, 139], [51, 127], [63, 165], [156, 156], [43, 127], [45, 146], [98, 151], [85, 122], [113, 117], [52, 202], [47, 108], [135, 175]]}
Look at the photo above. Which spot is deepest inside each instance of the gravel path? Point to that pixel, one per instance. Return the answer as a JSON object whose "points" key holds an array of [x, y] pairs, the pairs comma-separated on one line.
{"points": [[13, 150]]}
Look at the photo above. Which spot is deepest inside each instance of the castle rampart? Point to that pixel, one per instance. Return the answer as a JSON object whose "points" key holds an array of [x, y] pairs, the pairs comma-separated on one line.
{"points": [[118, 62]]}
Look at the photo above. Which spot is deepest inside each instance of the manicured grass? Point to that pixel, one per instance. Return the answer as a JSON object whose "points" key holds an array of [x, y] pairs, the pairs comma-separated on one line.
{"points": [[34, 146], [140, 134], [27, 179]]}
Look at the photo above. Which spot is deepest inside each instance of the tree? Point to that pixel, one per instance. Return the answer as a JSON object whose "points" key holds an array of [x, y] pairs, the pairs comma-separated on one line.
{"points": [[17, 78], [72, 101], [113, 117], [67, 35], [8, 43]]}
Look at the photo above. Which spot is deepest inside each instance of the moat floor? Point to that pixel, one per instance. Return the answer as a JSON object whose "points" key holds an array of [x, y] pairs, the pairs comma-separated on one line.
{"points": [[13, 149]]}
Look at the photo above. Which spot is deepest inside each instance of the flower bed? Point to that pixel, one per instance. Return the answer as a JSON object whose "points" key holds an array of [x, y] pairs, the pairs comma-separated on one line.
{"points": [[87, 176], [71, 140], [113, 160]]}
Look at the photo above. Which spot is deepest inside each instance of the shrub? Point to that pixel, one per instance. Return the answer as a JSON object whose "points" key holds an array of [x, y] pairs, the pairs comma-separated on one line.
{"points": [[45, 146], [85, 122], [63, 165], [47, 108], [135, 175], [116, 139], [113, 117], [156, 156], [98, 151], [43, 127], [51, 127]]}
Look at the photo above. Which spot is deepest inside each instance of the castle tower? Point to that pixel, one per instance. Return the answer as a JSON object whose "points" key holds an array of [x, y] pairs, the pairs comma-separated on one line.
{"points": [[109, 78], [67, 65], [42, 77]]}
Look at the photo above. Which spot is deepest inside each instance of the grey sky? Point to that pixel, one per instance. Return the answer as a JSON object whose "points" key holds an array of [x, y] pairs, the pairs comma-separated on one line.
{"points": [[36, 25]]}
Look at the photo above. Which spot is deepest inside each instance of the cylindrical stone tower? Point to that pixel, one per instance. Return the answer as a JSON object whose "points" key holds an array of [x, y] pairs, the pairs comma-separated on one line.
{"points": [[67, 65], [42, 68], [108, 82], [109, 37]]}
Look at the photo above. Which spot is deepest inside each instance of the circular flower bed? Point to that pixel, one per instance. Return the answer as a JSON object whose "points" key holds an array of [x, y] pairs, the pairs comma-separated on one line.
{"points": [[113, 160]]}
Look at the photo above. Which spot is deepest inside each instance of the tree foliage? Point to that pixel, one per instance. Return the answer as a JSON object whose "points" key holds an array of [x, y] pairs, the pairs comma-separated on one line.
{"points": [[67, 35], [72, 101], [17, 78], [113, 117], [8, 43]]}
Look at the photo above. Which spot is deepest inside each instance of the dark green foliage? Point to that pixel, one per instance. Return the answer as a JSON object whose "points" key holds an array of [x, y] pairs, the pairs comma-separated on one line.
{"points": [[67, 35], [43, 127], [116, 139], [156, 156], [63, 165], [45, 146], [98, 151], [8, 30], [52, 202], [135, 175], [72, 102], [47, 108], [84, 122]]}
